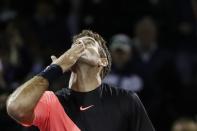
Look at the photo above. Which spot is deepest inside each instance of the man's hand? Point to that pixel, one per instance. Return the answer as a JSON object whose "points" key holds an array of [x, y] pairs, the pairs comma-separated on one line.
{"points": [[69, 58]]}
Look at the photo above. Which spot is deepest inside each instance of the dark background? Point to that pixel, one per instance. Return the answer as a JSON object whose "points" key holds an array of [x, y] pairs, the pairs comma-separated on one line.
{"points": [[32, 30]]}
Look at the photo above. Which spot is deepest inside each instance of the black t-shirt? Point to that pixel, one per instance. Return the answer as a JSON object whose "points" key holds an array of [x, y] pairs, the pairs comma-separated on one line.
{"points": [[105, 109]]}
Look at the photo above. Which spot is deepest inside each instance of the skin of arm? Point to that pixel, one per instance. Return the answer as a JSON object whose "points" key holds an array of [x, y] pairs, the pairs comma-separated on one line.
{"points": [[21, 103], [23, 100]]}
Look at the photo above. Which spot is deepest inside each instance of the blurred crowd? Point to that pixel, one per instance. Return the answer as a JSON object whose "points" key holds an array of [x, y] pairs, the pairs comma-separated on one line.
{"points": [[153, 44]]}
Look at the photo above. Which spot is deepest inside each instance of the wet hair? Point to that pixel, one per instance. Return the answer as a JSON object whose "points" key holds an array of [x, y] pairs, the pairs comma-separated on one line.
{"points": [[104, 52]]}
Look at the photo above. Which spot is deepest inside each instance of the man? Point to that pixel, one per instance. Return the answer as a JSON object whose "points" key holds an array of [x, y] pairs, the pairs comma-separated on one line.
{"points": [[155, 66], [122, 74], [87, 105]]}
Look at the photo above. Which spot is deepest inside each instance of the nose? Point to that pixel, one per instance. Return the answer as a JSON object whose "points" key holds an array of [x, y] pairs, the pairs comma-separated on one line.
{"points": [[79, 42]]}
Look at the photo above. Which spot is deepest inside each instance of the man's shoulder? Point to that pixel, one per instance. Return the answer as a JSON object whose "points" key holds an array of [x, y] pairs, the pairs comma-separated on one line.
{"points": [[63, 93], [47, 96], [125, 99], [112, 91]]}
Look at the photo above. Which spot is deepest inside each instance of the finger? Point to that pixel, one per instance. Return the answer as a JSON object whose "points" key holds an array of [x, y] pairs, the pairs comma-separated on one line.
{"points": [[53, 58], [80, 54], [77, 49], [74, 52]]}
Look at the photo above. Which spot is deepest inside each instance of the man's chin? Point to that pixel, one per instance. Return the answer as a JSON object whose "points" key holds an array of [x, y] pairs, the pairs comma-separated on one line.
{"points": [[77, 65], [83, 60]]}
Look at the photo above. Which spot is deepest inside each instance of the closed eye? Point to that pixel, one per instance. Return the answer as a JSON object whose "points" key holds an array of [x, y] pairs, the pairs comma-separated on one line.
{"points": [[89, 42]]}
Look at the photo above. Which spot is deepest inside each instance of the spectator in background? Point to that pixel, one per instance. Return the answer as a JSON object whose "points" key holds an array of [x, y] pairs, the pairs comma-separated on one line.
{"points": [[121, 74], [185, 51], [10, 65], [184, 124], [186, 40], [155, 67], [48, 29], [74, 17], [2, 81], [186, 57], [15, 65], [17, 57], [3, 85], [6, 11]]}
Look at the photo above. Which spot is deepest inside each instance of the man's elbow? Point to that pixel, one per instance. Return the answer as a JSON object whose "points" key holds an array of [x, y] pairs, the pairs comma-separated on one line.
{"points": [[18, 113], [14, 111]]}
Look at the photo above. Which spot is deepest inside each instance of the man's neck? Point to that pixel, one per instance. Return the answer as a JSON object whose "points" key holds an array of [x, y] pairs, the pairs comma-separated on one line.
{"points": [[84, 80]]}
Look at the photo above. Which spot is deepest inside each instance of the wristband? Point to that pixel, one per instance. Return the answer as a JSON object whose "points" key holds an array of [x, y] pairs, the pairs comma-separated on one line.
{"points": [[51, 73]]}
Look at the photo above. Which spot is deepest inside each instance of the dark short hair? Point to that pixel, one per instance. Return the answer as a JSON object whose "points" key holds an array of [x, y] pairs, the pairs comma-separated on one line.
{"points": [[102, 43]]}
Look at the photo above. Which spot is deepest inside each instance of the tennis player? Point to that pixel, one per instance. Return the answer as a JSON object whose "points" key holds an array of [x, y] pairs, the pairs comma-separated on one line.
{"points": [[87, 104]]}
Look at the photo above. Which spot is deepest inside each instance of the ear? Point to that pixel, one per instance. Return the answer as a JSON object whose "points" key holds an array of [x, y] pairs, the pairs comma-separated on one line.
{"points": [[103, 62]]}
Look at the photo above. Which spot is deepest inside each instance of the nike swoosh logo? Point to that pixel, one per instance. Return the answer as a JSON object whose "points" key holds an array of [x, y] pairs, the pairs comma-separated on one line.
{"points": [[85, 108]]}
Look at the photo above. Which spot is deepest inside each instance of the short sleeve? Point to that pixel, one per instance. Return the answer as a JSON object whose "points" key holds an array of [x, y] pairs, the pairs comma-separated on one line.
{"points": [[139, 119], [42, 110]]}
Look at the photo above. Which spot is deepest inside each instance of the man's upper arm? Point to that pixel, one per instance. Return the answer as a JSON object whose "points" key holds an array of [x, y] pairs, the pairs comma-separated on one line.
{"points": [[41, 111], [139, 117]]}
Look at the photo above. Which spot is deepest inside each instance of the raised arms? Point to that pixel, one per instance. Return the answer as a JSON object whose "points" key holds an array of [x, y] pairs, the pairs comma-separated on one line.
{"points": [[21, 103]]}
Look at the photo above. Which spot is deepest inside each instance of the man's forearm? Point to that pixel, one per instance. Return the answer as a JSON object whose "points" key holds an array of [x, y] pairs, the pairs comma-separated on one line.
{"points": [[24, 99], [21, 103]]}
